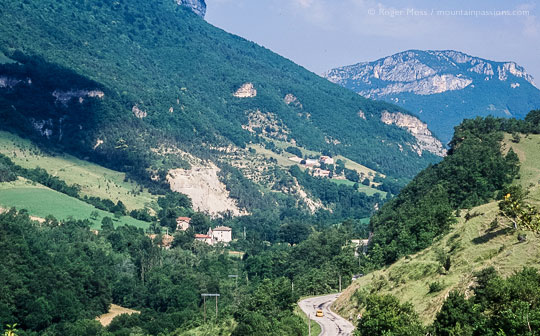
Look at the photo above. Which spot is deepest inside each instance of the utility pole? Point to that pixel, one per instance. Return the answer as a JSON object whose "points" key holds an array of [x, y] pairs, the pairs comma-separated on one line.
{"points": [[204, 299], [244, 233], [309, 323], [204, 304], [340, 283]]}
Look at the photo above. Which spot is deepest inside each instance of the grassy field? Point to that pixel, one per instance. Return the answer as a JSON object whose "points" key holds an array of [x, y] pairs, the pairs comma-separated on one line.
{"points": [[528, 151], [93, 179], [362, 188], [41, 202], [473, 245]]}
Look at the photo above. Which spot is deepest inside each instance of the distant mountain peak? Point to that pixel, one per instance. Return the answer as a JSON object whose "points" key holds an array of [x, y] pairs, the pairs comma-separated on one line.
{"points": [[424, 73], [443, 87], [197, 6]]}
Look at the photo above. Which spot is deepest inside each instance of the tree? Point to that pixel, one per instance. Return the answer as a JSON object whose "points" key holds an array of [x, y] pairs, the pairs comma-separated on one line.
{"points": [[293, 233], [107, 224], [200, 222], [384, 315], [457, 316], [94, 215]]}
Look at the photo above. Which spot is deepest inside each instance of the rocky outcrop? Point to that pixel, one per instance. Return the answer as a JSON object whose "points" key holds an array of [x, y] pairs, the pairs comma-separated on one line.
{"points": [[65, 96], [138, 112], [247, 90], [202, 185], [197, 6], [426, 86], [10, 82], [425, 141], [291, 99]]}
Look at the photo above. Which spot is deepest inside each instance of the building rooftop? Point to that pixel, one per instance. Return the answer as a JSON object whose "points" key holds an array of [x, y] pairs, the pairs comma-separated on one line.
{"points": [[222, 228]]}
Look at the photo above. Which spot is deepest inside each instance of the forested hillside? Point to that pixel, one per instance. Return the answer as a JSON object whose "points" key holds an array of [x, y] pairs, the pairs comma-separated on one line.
{"points": [[59, 276], [478, 274], [113, 80]]}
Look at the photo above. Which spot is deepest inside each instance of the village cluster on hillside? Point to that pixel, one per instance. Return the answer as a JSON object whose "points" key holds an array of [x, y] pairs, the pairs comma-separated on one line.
{"points": [[214, 236], [327, 167]]}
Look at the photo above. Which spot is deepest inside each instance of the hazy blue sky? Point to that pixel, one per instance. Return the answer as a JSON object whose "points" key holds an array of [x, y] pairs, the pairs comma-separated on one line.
{"points": [[322, 34]]}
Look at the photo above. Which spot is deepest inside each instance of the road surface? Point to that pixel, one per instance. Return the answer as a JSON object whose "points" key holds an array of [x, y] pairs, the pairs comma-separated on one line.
{"points": [[331, 324]]}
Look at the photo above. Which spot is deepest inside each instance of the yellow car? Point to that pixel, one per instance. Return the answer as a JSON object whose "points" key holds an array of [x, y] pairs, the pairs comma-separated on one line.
{"points": [[319, 313]]}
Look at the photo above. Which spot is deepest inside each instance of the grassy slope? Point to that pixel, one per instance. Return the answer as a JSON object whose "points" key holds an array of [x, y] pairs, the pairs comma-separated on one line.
{"points": [[477, 246], [93, 179], [41, 201]]}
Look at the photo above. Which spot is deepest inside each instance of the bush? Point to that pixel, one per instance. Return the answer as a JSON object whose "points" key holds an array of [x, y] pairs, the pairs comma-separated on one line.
{"points": [[435, 287]]}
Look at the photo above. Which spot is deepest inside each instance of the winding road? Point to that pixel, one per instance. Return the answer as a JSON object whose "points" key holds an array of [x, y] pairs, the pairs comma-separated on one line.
{"points": [[331, 323]]}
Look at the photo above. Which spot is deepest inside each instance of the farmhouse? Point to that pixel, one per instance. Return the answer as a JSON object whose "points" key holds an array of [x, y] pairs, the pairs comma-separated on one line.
{"points": [[312, 163], [221, 234], [318, 172], [182, 223], [326, 160], [360, 245], [203, 238]]}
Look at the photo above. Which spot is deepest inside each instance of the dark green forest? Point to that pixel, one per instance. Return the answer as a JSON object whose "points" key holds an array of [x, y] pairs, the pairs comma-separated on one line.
{"points": [[58, 276]]}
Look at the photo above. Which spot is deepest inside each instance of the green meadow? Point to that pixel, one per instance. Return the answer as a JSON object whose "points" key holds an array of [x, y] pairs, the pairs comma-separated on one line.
{"points": [[41, 202]]}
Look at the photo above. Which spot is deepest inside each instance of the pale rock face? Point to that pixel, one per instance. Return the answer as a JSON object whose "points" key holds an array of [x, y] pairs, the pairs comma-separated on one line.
{"points": [[481, 67], [8, 82], [202, 185], [99, 142], [247, 90], [197, 6], [138, 112], [431, 85], [425, 141], [361, 114], [44, 127], [291, 99], [65, 96]]}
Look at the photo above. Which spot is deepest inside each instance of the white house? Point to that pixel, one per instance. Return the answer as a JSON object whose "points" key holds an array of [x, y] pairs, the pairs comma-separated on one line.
{"points": [[182, 223], [221, 234], [312, 163]]}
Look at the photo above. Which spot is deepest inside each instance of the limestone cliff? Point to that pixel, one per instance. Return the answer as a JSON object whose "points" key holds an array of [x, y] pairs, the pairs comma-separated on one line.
{"points": [[425, 140], [197, 6], [202, 185]]}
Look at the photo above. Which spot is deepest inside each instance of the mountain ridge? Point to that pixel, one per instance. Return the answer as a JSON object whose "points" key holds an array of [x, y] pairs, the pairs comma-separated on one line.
{"points": [[442, 87]]}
